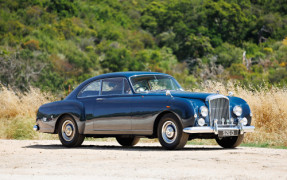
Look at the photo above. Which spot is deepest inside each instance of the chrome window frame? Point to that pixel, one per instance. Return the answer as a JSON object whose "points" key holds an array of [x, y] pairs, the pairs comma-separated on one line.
{"points": [[101, 86], [150, 75], [87, 86]]}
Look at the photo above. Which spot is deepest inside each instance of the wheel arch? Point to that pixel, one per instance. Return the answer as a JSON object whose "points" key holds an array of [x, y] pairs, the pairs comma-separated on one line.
{"points": [[80, 124], [158, 118]]}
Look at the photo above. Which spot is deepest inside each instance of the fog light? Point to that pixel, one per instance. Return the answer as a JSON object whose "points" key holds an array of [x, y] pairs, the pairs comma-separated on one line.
{"points": [[244, 121], [201, 122]]}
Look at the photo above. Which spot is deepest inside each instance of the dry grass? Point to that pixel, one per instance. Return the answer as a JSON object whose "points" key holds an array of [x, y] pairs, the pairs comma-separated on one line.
{"points": [[18, 113], [269, 109]]}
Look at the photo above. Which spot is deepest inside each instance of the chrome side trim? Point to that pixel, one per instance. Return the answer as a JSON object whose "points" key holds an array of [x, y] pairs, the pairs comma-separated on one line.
{"points": [[243, 129]]}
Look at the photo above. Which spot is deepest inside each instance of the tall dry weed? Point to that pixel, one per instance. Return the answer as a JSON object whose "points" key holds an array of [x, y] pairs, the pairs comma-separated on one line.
{"points": [[269, 109], [18, 112]]}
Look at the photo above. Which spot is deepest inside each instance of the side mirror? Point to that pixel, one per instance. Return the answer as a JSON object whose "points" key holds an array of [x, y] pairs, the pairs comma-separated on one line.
{"points": [[168, 93]]}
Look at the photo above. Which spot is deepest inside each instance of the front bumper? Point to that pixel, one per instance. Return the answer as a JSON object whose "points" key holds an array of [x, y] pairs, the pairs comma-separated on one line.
{"points": [[243, 129]]}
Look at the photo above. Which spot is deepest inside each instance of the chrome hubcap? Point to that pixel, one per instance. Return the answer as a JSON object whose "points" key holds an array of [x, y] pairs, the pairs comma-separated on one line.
{"points": [[169, 132], [68, 130]]}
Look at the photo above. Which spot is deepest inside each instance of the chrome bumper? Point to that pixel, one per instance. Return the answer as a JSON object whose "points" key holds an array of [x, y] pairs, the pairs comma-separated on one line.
{"points": [[243, 129]]}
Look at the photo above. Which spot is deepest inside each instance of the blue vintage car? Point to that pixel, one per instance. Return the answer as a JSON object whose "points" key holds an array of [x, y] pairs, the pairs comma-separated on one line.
{"points": [[131, 105]]}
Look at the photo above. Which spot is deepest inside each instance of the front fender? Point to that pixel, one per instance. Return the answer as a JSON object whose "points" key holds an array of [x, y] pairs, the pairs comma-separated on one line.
{"points": [[186, 109], [246, 111]]}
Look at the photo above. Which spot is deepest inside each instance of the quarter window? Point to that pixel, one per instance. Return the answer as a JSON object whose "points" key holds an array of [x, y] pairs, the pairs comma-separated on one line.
{"points": [[93, 89]]}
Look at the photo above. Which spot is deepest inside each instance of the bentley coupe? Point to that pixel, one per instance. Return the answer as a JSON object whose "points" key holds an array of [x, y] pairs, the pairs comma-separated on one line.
{"points": [[134, 105]]}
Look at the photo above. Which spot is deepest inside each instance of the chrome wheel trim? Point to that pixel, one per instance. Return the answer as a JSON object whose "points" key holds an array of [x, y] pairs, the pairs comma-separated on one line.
{"points": [[68, 130], [169, 132]]}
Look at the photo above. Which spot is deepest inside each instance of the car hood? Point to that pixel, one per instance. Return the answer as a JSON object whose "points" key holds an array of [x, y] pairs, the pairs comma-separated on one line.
{"points": [[185, 94], [191, 95]]}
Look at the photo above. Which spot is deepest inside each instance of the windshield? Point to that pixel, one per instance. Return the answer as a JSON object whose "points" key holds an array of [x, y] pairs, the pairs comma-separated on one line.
{"points": [[154, 83]]}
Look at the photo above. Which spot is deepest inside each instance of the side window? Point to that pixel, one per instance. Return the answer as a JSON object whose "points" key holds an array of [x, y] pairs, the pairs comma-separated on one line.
{"points": [[93, 89], [127, 89], [112, 86]]}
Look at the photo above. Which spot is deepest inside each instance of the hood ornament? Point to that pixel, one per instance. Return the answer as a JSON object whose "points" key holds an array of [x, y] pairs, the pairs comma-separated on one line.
{"points": [[230, 93]]}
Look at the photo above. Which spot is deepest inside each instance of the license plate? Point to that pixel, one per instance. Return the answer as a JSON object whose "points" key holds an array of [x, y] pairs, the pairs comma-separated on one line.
{"points": [[228, 133]]}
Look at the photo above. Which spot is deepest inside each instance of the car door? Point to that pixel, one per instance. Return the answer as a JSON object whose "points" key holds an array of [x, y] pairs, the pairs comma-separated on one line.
{"points": [[112, 110], [107, 106], [145, 109]]}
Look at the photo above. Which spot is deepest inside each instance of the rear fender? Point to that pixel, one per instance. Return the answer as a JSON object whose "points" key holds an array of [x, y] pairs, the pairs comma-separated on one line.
{"points": [[49, 115]]}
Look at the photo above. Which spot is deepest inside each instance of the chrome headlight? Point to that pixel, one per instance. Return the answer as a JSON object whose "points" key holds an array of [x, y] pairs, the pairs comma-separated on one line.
{"points": [[237, 110], [203, 111]]}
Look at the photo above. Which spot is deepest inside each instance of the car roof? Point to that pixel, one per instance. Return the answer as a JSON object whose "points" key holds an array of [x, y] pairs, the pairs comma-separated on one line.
{"points": [[127, 74]]}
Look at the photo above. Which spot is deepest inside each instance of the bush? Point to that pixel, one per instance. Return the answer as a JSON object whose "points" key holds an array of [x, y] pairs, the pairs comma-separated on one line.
{"points": [[32, 45]]}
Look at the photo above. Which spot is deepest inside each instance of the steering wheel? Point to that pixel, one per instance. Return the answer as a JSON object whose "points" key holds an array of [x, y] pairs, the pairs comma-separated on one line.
{"points": [[141, 89]]}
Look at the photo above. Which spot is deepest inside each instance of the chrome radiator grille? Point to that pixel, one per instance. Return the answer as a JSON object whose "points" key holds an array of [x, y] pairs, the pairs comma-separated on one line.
{"points": [[219, 109]]}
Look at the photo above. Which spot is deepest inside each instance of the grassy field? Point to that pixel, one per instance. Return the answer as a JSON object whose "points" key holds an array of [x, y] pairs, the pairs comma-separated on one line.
{"points": [[269, 109]]}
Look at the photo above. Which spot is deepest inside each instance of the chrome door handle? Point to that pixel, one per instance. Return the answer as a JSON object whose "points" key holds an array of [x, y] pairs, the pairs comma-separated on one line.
{"points": [[100, 99]]}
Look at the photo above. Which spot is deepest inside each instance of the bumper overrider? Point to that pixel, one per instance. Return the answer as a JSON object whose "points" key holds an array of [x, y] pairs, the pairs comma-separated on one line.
{"points": [[215, 129]]}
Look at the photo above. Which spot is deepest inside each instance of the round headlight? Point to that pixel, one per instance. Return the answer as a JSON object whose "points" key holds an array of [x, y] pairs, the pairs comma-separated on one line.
{"points": [[244, 121], [203, 111], [237, 110], [201, 122]]}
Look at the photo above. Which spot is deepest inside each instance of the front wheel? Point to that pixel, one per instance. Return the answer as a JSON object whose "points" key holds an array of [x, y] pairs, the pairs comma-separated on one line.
{"points": [[170, 133], [230, 142], [68, 132], [127, 141]]}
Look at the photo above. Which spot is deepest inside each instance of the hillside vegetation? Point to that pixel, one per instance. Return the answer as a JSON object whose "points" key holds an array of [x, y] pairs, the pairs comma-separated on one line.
{"points": [[56, 44]]}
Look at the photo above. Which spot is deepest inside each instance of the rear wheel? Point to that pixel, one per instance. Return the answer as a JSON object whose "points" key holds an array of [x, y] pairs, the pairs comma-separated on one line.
{"points": [[230, 142], [170, 132], [68, 132], [127, 141]]}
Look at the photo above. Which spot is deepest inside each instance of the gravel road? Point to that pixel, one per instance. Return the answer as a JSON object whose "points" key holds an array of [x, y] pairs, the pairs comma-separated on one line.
{"points": [[34, 159]]}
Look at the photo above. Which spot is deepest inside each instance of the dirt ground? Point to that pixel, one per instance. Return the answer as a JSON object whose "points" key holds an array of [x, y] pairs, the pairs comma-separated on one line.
{"points": [[21, 159]]}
